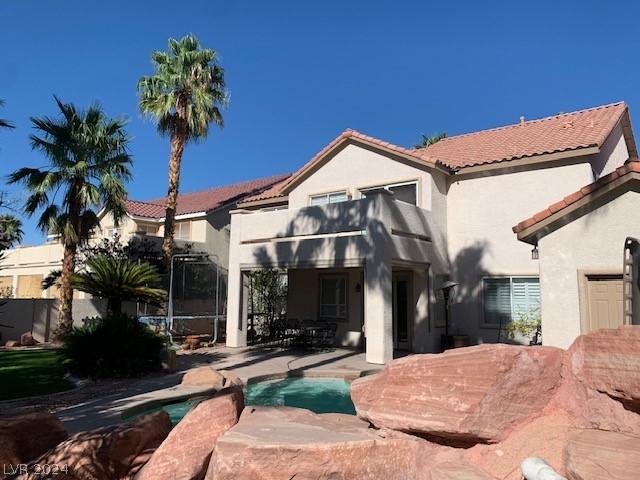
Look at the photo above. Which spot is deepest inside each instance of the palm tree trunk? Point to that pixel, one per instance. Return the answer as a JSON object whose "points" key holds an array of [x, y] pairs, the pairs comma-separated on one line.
{"points": [[178, 141], [65, 319]]}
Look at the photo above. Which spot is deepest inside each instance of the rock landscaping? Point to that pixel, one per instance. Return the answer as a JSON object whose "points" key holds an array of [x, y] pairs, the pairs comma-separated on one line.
{"points": [[469, 414]]}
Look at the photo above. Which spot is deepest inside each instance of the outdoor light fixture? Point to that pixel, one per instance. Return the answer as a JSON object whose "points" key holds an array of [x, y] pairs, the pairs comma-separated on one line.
{"points": [[535, 255], [448, 288], [358, 287]]}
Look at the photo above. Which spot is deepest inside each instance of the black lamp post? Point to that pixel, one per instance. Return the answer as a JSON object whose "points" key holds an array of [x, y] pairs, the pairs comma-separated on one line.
{"points": [[446, 341]]}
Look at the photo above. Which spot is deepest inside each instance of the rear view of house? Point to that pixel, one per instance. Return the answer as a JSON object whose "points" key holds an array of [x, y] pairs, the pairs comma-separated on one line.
{"points": [[369, 232]]}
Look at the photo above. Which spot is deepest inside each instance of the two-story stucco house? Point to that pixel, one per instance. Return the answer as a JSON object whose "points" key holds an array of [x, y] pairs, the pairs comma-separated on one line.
{"points": [[202, 220], [369, 232]]}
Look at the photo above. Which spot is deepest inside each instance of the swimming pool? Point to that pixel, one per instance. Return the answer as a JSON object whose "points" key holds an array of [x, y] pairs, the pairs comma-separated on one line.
{"points": [[320, 395]]}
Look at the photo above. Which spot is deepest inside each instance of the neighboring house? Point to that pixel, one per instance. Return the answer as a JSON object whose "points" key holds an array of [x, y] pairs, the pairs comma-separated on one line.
{"points": [[369, 232], [202, 220]]}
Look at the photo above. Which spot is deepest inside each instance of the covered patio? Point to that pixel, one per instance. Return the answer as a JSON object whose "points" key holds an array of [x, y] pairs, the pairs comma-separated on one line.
{"points": [[367, 265]]}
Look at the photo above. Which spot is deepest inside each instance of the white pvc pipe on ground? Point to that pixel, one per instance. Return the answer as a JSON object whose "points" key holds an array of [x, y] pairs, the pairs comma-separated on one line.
{"points": [[537, 469]]}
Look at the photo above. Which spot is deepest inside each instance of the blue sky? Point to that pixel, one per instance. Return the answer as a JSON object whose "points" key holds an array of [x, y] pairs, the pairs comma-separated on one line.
{"points": [[301, 72]]}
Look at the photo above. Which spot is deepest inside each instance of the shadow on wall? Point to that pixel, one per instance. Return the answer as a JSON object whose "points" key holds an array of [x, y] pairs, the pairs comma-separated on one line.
{"points": [[343, 217], [467, 270], [40, 315]]}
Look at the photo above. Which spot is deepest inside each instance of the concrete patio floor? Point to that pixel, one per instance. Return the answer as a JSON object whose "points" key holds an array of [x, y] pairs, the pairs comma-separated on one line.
{"points": [[103, 403]]}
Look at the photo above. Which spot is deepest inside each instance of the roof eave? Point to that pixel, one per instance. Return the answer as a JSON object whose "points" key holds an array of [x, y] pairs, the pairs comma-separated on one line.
{"points": [[530, 160], [533, 233]]}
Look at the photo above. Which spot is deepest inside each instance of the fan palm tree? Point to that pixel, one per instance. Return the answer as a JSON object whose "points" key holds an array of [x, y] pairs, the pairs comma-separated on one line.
{"points": [[88, 165], [118, 280], [5, 123], [430, 139], [10, 231], [184, 96]]}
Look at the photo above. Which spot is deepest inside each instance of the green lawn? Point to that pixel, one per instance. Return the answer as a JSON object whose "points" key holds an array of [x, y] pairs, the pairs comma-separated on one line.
{"points": [[31, 372]]}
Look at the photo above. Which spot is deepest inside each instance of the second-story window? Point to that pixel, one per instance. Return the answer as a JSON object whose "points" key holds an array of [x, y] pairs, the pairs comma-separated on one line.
{"points": [[405, 192], [182, 231], [333, 197], [147, 228]]}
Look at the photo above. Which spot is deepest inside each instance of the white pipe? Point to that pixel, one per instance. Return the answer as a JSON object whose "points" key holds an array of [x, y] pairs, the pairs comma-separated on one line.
{"points": [[534, 468]]}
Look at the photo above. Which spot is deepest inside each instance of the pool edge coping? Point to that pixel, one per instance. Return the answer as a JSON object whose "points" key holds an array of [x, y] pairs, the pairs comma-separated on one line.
{"points": [[136, 409]]}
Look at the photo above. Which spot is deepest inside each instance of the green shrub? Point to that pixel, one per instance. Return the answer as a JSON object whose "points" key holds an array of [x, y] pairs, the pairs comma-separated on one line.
{"points": [[116, 346]]}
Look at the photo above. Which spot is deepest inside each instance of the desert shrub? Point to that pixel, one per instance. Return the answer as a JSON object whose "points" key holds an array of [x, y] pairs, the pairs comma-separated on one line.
{"points": [[115, 346], [528, 325]]}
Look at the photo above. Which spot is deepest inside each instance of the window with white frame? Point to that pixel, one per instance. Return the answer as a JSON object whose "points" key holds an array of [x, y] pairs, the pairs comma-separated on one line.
{"points": [[508, 298], [325, 198], [147, 228], [182, 231], [405, 192], [333, 297]]}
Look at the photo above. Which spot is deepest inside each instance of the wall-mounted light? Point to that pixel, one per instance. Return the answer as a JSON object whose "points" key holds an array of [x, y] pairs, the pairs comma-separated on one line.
{"points": [[535, 255]]}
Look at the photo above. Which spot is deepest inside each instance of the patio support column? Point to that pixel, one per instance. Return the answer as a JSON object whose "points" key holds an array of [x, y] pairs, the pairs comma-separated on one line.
{"points": [[378, 302], [238, 290]]}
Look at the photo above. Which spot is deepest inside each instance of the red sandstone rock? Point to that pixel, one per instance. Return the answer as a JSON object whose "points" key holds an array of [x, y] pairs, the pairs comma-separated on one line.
{"points": [[27, 340], [270, 443], [608, 361], [107, 453], [204, 376], [597, 455], [545, 437], [456, 471], [26, 437], [474, 394], [185, 454]]}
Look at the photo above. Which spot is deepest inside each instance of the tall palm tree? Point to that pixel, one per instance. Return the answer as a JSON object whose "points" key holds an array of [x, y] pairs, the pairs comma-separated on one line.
{"points": [[184, 96], [88, 165], [5, 123], [430, 139], [117, 280]]}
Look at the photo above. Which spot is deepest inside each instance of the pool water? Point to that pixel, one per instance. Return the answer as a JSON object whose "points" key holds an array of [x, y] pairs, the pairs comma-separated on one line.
{"points": [[320, 395]]}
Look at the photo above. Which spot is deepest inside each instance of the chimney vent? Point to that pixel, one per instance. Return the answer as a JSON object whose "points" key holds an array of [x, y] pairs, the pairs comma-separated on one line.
{"points": [[522, 120]]}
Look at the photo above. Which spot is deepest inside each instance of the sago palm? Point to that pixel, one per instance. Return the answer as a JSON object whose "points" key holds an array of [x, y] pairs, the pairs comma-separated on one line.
{"points": [[88, 165], [184, 96], [117, 280]]}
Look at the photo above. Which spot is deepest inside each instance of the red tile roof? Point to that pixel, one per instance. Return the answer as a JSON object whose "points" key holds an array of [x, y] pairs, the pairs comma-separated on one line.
{"points": [[628, 168], [558, 133], [203, 201]]}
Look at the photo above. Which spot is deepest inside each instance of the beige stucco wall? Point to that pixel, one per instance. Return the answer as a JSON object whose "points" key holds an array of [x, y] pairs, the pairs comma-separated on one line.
{"points": [[612, 154], [592, 243], [482, 211], [356, 167]]}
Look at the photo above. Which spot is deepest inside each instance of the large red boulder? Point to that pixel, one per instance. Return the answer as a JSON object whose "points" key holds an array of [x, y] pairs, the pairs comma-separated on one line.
{"points": [[466, 396], [594, 454], [107, 453], [280, 442], [544, 437], [608, 361], [26, 437], [185, 454]]}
